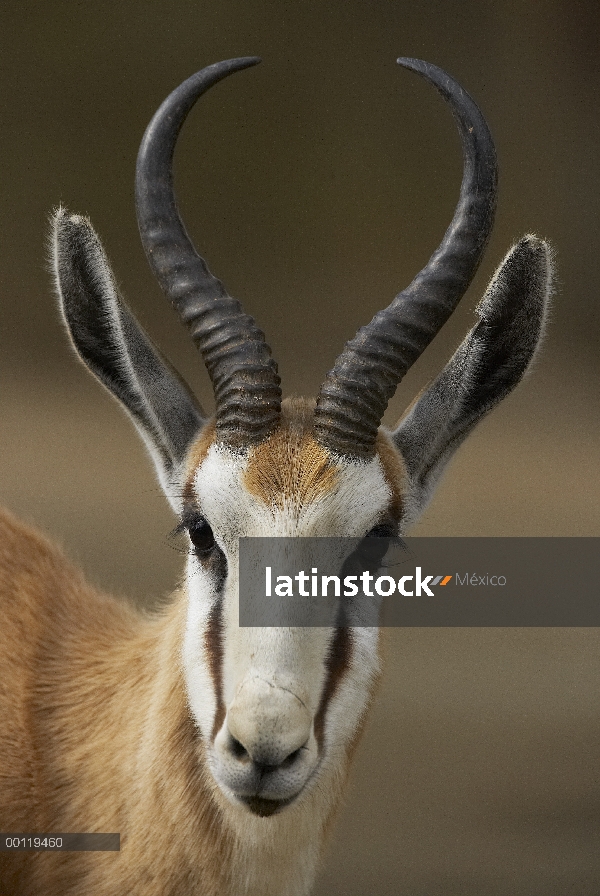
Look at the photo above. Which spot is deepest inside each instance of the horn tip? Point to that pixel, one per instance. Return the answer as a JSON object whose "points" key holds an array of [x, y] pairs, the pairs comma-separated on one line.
{"points": [[247, 61], [408, 61], [415, 65]]}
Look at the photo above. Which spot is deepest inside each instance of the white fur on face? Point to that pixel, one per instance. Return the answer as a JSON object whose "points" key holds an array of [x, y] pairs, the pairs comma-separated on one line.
{"points": [[290, 660]]}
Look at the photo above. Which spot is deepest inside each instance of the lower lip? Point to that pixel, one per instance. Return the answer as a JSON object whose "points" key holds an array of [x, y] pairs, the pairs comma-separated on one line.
{"points": [[264, 808]]}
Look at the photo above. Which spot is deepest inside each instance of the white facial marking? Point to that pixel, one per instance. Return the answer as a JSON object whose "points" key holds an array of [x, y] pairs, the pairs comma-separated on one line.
{"points": [[273, 678]]}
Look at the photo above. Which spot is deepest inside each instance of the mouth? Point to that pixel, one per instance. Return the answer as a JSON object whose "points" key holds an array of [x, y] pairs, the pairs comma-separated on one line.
{"points": [[264, 808]]}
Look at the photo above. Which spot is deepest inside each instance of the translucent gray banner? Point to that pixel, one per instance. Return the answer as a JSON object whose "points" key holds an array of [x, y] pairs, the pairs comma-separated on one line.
{"points": [[319, 582], [41, 842]]}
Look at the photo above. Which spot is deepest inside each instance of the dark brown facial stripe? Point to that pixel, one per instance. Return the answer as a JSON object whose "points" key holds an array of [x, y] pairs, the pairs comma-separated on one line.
{"points": [[337, 662], [213, 645], [394, 471]]}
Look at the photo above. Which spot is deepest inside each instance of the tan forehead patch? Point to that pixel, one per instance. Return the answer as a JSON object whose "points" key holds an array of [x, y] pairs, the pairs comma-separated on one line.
{"points": [[291, 466]]}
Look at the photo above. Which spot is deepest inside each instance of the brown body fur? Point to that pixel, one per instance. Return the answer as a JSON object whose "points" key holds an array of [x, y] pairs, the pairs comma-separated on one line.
{"points": [[80, 674]]}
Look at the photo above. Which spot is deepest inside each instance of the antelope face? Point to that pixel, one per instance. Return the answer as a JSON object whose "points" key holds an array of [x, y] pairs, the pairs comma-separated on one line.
{"points": [[276, 704], [279, 708]]}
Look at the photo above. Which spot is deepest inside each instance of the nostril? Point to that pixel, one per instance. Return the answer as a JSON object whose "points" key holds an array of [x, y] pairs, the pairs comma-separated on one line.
{"points": [[238, 749], [292, 758]]}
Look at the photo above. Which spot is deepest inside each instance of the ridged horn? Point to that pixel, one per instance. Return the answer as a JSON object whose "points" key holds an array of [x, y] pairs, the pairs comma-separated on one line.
{"points": [[243, 374], [356, 392]]}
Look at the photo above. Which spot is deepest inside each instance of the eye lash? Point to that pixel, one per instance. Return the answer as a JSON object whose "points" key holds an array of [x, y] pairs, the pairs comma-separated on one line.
{"points": [[179, 528], [189, 515], [384, 529]]}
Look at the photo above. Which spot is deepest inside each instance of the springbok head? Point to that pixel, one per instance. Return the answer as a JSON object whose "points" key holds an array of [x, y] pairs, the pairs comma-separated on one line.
{"points": [[278, 709]]}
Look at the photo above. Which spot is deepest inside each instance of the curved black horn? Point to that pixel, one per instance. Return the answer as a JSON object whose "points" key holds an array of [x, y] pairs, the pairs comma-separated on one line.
{"points": [[356, 392], [243, 374]]}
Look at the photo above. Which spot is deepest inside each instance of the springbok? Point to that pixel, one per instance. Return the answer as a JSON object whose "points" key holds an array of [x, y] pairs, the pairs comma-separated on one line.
{"points": [[220, 752]]}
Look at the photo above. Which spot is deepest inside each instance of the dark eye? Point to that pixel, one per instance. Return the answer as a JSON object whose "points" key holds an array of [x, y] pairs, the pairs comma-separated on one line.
{"points": [[382, 531], [201, 535], [375, 544], [371, 550]]}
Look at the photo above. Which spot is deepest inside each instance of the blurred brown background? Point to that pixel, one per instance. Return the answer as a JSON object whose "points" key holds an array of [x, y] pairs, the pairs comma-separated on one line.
{"points": [[317, 185]]}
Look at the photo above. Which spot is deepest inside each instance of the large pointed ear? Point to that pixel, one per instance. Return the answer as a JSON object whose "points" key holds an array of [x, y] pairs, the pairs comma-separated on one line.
{"points": [[116, 349], [486, 367]]}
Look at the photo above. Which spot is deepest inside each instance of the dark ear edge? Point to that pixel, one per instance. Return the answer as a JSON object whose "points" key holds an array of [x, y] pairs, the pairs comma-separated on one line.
{"points": [[488, 365], [112, 344]]}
